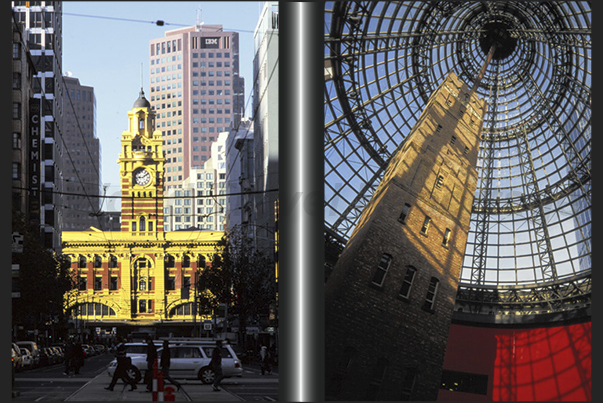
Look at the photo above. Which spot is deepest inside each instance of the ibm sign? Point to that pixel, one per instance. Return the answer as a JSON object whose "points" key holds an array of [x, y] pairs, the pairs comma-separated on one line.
{"points": [[210, 43]]}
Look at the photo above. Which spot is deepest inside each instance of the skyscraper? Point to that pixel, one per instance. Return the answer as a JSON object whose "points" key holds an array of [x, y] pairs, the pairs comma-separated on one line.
{"points": [[197, 93], [240, 175], [199, 201], [82, 171], [265, 120], [22, 177], [42, 21]]}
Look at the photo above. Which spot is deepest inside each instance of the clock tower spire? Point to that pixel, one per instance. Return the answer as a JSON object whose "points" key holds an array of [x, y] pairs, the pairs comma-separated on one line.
{"points": [[141, 171]]}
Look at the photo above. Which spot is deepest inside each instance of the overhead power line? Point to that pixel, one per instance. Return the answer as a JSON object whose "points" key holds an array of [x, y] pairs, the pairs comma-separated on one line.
{"points": [[45, 190], [159, 23]]}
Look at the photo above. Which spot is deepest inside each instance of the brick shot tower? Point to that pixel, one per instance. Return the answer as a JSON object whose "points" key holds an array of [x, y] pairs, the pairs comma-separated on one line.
{"points": [[390, 298], [141, 162]]}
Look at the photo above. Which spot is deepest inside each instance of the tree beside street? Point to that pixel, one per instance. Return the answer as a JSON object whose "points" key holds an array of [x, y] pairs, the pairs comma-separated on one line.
{"points": [[239, 277]]}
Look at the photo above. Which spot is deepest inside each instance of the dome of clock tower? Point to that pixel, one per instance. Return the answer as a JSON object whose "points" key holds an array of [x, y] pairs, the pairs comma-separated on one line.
{"points": [[142, 102]]}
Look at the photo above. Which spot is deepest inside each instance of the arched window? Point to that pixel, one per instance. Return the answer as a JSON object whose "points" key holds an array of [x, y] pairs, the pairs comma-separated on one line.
{"points": [[180, 310], [141, 123], [98, 261], [333, 388], [92, 309], [142, 226], [142, 285], [404, 213], [113, 262], [432, 292], [384, 263], [82, 262], [186, 261], [407, 283], [170, 261], [376, 379]]}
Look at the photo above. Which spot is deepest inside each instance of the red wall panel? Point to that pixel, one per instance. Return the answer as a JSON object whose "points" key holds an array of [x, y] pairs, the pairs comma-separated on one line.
{"points": [[552, 363]]}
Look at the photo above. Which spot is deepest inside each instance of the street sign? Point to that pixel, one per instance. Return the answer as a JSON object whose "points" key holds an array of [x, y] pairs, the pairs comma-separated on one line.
{"points": [[17, 243]]}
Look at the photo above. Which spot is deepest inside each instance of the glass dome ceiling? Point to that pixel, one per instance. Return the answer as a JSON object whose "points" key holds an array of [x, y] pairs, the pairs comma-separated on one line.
{"points": [[529, 244]]}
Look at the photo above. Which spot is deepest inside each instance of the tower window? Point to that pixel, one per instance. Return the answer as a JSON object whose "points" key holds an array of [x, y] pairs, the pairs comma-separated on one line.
{"points": [[407, 283], [408, 384], [466, 151], [425, 226], [376, 380], [384, 263], [142, 224], [404, 214], [440, 181], [432, 291], [446, 238], [452, 140], [439, 128], [141, 124]]}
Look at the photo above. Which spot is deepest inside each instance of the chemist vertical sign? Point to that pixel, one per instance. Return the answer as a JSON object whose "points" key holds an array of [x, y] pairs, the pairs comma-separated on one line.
{"points": [[34, 158]]}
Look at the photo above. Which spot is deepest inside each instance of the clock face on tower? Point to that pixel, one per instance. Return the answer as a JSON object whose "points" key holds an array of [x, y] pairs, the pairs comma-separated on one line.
{"points": [[142, 177]]}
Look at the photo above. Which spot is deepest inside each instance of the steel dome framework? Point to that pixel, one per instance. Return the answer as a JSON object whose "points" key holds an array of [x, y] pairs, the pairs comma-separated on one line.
{"points": [[529, 245]]}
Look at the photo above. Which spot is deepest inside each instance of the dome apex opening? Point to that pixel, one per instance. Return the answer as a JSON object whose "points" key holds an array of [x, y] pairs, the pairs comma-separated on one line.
{"points": [[498, 33]]}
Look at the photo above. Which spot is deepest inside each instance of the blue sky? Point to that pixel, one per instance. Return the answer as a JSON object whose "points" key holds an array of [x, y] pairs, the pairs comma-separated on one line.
{"points": [[107, 53]]}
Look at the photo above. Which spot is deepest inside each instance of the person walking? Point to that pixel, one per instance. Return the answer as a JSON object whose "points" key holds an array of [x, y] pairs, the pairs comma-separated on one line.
{"points": [[151, 358], [77, 357], [265, 358], [69, 350], [165, 364], [216, 365], [123, 362]]}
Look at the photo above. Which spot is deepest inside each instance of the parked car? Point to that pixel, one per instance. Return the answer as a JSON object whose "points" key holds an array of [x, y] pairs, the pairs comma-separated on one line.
{"points": [[59, 358], [89, 351], [102, 348], [61, 351], [17, 357], [45, 358], [32, 346], [27, 358], [134, 349], [188, 361]]}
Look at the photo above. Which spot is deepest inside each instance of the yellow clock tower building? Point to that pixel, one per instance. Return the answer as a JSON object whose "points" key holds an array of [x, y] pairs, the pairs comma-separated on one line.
{"points": [[138, 277]]}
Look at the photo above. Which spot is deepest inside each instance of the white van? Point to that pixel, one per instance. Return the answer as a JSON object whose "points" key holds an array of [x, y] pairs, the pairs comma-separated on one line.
{"points": [[32, 346], [189, 360]]}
